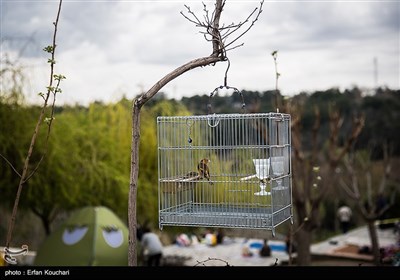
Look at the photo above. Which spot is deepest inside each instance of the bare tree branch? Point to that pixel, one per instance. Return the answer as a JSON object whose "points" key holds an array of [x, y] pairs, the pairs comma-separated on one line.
{"points": [[314, 153], [197, 22], [235, 47], [11, 165], [347, 189], [199, 62], [387, 167], [251, 25], [358, 124], [210, 26]]}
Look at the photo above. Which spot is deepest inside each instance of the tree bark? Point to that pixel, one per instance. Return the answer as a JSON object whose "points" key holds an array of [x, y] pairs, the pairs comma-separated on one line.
{"points": [[375, 243], [46, 225], [46, 217], [132, 254], [303, 240]]}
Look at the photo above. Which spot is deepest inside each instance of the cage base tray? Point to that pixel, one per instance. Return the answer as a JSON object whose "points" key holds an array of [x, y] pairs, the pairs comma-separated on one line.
{"points": [[222, 216]]}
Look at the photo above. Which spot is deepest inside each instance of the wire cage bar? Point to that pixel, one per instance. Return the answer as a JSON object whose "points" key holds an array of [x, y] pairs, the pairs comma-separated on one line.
{"points": [[225, 170]]}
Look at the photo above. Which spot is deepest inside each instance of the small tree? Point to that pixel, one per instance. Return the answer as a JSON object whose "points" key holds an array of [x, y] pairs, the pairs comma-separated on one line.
{"points": [[223, 39], [370, 204], [49, 97], [310, 167]]}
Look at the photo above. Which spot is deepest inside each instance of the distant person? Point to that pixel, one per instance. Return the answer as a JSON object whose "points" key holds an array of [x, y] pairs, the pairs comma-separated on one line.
{"points": [[344, 214], [246, 251], [265, 249], [183, 240], [220, 236], [209, 238], [151, 247]]}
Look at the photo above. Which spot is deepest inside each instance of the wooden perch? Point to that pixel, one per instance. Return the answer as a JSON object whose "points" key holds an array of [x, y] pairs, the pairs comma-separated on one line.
{"points": [[191, 176]]}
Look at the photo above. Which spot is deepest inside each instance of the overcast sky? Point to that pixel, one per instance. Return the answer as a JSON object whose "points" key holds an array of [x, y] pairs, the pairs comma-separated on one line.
{"points": [[108, 49]]}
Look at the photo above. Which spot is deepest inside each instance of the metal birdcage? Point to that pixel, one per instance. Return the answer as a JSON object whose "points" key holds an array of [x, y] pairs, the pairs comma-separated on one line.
{"points": [[225, 170]]}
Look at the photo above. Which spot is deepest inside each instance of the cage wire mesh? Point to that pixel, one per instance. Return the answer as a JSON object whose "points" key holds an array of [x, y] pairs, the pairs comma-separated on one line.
{"points": [[225, 170]]}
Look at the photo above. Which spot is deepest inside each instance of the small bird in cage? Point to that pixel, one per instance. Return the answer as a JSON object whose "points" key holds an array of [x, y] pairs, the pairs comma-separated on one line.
{"points": [[204, 170]]}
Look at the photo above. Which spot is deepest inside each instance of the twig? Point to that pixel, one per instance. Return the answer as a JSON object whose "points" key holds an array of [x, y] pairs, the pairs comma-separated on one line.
{"points": [[227, 30], [251, 25], [10, 164], [277, 74], [211, 259]]}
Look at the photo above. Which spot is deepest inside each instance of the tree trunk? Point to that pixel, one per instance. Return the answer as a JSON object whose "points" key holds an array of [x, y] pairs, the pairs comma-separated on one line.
{"points": [[45, 217], [303, 234], [303, 240], [375, 243], [132, 252], [46, 225]]}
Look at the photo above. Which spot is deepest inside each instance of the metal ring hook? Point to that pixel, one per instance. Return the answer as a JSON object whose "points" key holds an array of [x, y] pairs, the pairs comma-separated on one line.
{"points": [[216, 123]]}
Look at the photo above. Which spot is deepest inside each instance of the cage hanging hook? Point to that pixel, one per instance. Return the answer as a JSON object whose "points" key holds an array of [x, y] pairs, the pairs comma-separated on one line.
{"points": [[226, 73], [220, 87], [235, 90]]}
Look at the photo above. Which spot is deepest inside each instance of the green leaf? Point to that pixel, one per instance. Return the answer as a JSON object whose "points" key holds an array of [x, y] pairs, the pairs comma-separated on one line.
{"points": [[48, 49], [48, 120], [58, 77]]}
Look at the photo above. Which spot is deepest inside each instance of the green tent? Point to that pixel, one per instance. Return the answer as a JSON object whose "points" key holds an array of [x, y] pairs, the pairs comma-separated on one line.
{"points": [[92, 236]]}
